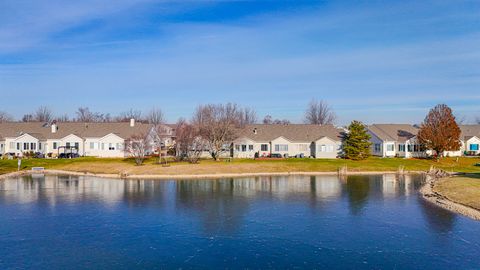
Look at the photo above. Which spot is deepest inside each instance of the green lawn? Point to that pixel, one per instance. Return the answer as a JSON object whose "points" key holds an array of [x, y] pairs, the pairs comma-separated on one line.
{"points": [[117, 165], [464, 190]]}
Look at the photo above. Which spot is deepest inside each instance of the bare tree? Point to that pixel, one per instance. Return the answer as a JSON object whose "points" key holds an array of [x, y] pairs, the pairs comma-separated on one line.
{"points": [[43, 114], [268, 120], [159, 131], [216, 124], [189, 145], [5, 117], [63, 118], [319, 113], [28, 118], [439, 131], [130, 114], [247, 116], [281, 121], [137, 147], [85, 115], [155, 117]]}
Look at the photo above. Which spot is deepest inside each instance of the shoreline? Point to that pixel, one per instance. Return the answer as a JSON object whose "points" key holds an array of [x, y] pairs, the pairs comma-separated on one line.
{"points": [[442, 201], [196, 176]]}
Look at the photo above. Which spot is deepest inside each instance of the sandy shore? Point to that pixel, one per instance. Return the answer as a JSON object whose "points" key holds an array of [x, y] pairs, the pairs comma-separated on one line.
{"points": [[430, 195]]}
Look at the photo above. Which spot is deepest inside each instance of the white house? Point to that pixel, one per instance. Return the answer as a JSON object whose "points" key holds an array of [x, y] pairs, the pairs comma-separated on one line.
{"points": [[470, 138], [288, 140], [86, 139], [395, 140]]}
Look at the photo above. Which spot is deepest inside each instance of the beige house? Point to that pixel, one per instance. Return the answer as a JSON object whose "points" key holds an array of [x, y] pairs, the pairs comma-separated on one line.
{"points": [[395, 140], [86, 139], [288, 140]]}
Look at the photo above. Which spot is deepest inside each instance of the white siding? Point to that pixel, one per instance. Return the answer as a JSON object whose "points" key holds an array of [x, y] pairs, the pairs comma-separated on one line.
{"points": [[108, 146], [327, 148]]}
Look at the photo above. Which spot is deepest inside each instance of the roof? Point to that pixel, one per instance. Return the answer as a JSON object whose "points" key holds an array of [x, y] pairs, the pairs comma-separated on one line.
{"points": [[291, 132], [84, 130], [469, 131], [393, 132]]}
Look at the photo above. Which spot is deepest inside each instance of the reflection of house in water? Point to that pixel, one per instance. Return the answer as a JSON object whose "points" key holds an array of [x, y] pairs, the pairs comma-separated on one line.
{"points": [[50, 188], [394, 185], [389, 185], [285, 186]]}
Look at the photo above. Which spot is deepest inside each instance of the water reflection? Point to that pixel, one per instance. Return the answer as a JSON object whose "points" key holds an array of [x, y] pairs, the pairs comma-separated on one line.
{"points": [[221, 202], [269, 222]]}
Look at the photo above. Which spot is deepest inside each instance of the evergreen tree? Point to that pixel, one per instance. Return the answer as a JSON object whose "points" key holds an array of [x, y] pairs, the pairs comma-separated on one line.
{"points": [[357, 142]]}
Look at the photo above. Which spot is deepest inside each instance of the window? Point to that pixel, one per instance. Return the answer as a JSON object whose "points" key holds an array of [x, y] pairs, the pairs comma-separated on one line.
{"points": [[473, 147], [416, 148], [237, 147], [39, 146], [264, 147], [250, 147], [390, 147], [18, 146], [25, 146], [67, 145], [55, 145], [401, 148], [302, 147], [77, 145], [409, 147], [92, 145], [33, 146], [103, 146], [119, 146], [326, 148], [12, 145], [244, 148], [377, 147], [281, 147], [110, 146]]}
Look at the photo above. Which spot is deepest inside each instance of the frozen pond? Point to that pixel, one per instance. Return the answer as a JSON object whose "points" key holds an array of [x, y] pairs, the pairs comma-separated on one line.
{"points": [[359, 222]]}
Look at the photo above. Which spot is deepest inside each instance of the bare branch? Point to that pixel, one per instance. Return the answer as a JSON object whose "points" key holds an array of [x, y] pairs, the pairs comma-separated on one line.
{"points": [[319, 113], [130, 114], [155, 117], [216, 124], [137, 147], [43, 114], [247, 116], [5, 117]]}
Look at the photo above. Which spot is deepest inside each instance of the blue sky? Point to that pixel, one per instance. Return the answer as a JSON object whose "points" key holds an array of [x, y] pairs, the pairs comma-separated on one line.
{"points": [[375, 61]]}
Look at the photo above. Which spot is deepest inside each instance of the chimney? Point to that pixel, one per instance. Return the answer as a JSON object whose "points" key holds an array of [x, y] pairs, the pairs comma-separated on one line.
{"points": [[54, 127], [132, 122]]}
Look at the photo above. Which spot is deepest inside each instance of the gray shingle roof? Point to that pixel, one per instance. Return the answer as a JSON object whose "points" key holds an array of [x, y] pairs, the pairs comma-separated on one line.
{"points": [[84, 130], [468, 131], [393, 132], [292, 132]]}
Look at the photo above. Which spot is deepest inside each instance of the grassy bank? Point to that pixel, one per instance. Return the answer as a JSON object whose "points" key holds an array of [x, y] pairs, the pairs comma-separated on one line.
{"points": [[463, 190], [118, 165]]}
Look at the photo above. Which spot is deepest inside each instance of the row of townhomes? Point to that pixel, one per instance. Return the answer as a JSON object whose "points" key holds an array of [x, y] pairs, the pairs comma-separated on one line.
{"points": [[290, 140], [84, 139], [252, 141], [400, 140]]}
